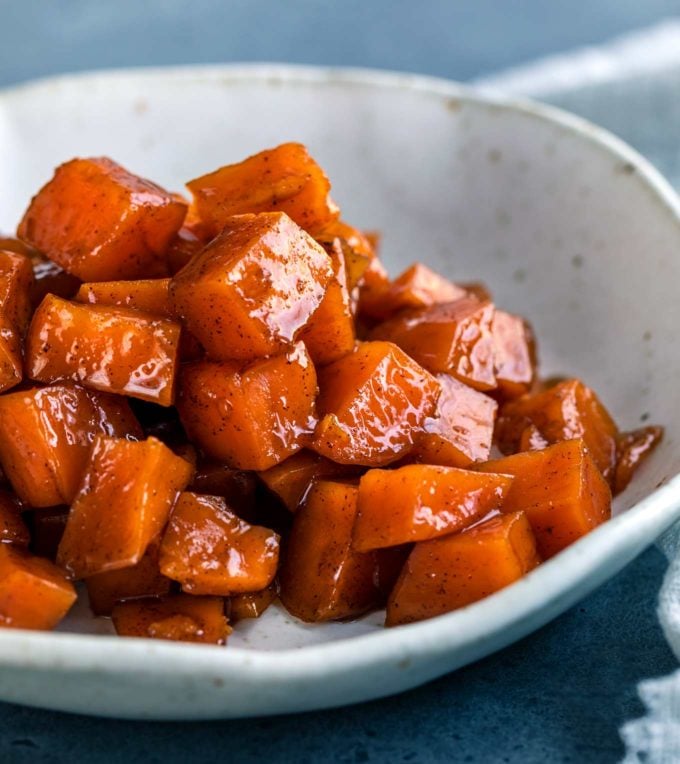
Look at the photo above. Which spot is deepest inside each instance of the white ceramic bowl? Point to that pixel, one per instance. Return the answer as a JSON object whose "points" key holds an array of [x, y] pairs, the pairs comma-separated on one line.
{"points": [[567, 226]]}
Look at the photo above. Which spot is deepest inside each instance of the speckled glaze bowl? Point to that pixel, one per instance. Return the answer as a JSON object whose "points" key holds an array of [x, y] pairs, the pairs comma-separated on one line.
{"points": [[567, 225]]}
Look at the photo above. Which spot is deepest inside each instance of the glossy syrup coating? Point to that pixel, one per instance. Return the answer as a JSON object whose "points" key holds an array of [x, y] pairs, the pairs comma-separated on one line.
{"points": [[422, 501], [560, 489], [34, 593], [251, 418], [116, 350], [100, 222], [252, 604], [444, 574], [123, 503], [46, 434], [323, 578], [373, 403], [13, 529], [210, 550], [633, 448], [461, 430], [514, 354], [250, 292], [453, 337], [178, 617], [283, 179], [147, 295], [565, 411]]}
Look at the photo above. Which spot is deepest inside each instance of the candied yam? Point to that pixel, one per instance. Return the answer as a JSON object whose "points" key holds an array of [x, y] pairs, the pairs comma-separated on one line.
{"points": [[632, 449], [421, 501], [531, 439], [514, 354], [253, 288], [461, 430], [34, 593], [123, 503], [47, 528], [444, 574], [251, 418], [329, 335], [322, 577], [283, 179], [561, 491], [177, 617], [372, 288], [373, 403], [291, 479], [16, 282], [357, 251], [144, 579], [236, 487], [112, 349], [100, 222], [453, 337], [209, 550], [45, 438], [13, 529], [251, 604], [565, 411], [147, 295]]}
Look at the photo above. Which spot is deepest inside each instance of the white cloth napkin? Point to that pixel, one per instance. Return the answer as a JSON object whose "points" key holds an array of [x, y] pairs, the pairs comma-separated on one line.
{"points": [[631, 86]]}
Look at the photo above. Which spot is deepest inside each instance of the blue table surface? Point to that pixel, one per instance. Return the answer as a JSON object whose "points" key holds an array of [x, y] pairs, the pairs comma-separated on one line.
{"points": [[557, 696]]}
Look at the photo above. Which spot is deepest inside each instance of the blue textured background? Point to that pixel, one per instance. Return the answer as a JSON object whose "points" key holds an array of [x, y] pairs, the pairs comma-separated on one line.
{"points": [[557, 696]]}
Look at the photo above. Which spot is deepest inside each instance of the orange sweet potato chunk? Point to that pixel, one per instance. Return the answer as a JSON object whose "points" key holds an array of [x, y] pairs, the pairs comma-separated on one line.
{"points": [[253, 288], [356, 248], [565, 411], [178, 617], [283, 179], [422, 501], [453, 337], [514, 354], [329, 335], [13, 529], [46, 434], [251, 418], [147, 295], [34, 593], [100, 222], [16, 283], [123, 503], [461, 430], [373, 403], [251, 604], [144, 579], [291, 479], [209, 550], [632, 449], [444, 574], [112, 349], [322, 577], [561, 491]]}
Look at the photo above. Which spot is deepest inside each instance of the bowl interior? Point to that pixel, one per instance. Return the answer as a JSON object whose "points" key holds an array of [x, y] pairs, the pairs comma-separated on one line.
{"points": [[563, 230]]}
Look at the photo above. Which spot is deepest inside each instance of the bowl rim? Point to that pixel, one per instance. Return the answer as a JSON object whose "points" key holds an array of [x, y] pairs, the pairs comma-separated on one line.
{"points": [[430, 638]]}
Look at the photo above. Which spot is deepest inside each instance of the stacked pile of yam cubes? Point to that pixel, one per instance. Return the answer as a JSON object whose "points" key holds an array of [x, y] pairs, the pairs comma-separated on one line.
{"points": [[209, 405]]}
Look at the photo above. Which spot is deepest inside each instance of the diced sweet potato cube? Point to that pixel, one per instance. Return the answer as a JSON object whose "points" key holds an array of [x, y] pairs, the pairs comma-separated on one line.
{"points": [[323, 578], [210, 550], [115, 350], [565, 411], [147, 295], [144, 579], [291, 479], [329, 335], [422, 501], [47, 528], [461, 430], [236, 487], [531, 439], [178, 617], [123, 503], [253, 288], [561, 491], [373, 403], [514, 354], [250, 418], [13, 529], [284, 178], [632, 449], [374, 283], [444, 574], [183, 247], [100, 222], [16, 282], [251, 604], [453, 337], [34, 593], [46, 434]]}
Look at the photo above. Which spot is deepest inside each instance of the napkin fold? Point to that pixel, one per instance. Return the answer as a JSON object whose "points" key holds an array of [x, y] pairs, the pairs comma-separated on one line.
{"points": [[630, 85]]}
